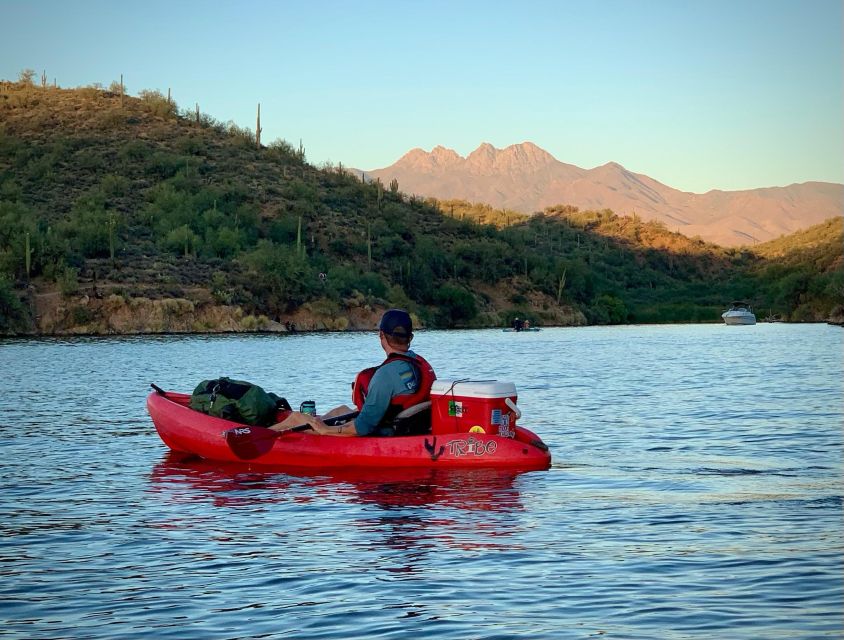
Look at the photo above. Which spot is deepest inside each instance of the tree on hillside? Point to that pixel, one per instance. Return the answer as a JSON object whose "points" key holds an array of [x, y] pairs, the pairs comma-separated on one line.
{"points": [[27, 77]]}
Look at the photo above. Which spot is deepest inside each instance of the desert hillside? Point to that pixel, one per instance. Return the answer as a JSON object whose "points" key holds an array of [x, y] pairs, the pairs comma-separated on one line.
{"points": [[122, 214]]}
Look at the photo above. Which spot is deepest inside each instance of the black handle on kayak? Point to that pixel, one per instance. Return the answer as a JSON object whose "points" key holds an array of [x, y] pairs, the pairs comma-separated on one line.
{"points": [[341, 419], [158, 389], [301, 427]]}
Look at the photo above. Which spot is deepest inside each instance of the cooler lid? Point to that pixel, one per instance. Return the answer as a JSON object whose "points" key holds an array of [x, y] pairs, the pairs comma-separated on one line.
{"points": [[473, 388]]}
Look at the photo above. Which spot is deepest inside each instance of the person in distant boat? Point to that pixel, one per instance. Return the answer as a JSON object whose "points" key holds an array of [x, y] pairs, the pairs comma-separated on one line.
{"points": [[518, 325], [526, 325], [380, 393]]}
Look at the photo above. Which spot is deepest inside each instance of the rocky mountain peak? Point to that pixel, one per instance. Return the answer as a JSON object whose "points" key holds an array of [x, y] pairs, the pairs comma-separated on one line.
{"points": [[444, 155], [517, 158], [526, 178], [440, 158]]}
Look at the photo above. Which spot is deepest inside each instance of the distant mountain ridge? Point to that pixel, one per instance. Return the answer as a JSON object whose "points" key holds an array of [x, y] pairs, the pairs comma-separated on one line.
{"points": [[526, 178]]}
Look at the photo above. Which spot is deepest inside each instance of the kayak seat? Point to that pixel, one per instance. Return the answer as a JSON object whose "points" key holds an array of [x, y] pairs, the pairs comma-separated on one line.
{"points": [[414, 421]]}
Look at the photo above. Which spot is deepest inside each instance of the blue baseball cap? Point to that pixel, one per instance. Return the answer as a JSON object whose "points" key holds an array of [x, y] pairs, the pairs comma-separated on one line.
{"points": [[396, 322]]}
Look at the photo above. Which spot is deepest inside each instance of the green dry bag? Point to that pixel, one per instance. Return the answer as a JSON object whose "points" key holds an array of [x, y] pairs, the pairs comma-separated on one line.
{"points": [[236, 400]]}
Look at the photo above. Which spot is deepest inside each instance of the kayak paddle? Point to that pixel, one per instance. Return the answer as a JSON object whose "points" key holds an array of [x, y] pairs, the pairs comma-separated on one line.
{"points": [[248, 442]]}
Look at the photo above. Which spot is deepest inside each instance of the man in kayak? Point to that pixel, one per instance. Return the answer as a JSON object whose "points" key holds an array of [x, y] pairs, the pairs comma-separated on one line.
{"points": [[380, 393]]}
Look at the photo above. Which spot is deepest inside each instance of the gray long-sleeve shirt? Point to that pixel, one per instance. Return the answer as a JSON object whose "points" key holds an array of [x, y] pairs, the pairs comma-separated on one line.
{"points": [[392, 379]]}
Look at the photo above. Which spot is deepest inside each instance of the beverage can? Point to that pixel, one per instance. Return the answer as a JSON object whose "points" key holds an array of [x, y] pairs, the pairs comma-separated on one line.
{"points": [[309, 407]]}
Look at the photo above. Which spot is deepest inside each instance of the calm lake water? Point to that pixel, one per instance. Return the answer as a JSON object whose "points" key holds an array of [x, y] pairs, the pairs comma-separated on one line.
{"points": [[695, 493]]}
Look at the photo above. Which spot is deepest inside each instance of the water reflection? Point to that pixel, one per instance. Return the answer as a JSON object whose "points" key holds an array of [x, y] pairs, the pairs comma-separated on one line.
{"points": [[403, 518], [234, 484]]}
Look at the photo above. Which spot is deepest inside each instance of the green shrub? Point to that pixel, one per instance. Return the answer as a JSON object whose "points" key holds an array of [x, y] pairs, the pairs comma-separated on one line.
{"points": [[181, 241], [89, 226], [279, 277], [282, 230], [191, 145], [113, 185], [134, 151], [804, 313], [13, 315], [398, 298], [164, 165], [68, 281], [89, 160], [10, 190], [457, 305], [611, 308], [81, 315], [220, 289], [156, 103]]}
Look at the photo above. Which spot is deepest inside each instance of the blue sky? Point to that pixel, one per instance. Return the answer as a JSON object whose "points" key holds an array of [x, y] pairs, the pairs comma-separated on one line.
{"points": [[698, 94]]}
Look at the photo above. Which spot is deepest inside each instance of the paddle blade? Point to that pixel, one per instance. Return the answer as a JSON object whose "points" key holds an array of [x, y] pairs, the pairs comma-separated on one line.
{"points": [[248, 443]]}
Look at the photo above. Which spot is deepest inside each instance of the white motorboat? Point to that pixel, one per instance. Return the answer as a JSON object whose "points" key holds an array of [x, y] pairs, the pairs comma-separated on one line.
{"points": [[739, 313]]}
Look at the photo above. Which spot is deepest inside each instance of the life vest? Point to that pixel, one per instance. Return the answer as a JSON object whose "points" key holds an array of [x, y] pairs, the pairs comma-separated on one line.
{"points": [[424, 373]]}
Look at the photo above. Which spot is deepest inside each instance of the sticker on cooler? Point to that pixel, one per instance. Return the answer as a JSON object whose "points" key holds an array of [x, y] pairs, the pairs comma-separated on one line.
{"points": [[504, 429], [458, 406]]}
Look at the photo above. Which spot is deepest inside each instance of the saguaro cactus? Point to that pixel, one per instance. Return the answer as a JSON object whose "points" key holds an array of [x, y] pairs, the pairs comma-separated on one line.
{"points": [[27, 252], [369, 245], [258, 127], [560, 286], [112, 225], [299, 237]]}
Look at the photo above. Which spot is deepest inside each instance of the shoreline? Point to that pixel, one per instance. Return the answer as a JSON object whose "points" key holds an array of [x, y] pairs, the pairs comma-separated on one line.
{"points": [[285, 332]]}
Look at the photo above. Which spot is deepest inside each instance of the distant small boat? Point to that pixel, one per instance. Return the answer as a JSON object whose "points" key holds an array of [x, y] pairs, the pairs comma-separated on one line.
{"points": [[521, 330], [739, 313]]}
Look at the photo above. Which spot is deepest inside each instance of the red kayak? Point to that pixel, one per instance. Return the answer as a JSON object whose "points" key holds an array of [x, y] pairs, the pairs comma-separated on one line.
{"points": [[188, 431]]}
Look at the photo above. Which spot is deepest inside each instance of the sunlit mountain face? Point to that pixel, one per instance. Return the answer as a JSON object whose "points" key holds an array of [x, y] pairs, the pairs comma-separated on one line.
{"points": [[523, 177]]}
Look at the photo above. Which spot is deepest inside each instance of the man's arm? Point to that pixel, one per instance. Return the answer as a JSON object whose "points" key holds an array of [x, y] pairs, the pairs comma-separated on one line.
{"points": [[345, 429], [297, 419], [381, 391], [386, 383]]}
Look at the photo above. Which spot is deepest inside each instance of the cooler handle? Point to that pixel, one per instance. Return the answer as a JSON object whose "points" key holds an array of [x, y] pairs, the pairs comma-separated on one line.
{"points": [[513, 406]]}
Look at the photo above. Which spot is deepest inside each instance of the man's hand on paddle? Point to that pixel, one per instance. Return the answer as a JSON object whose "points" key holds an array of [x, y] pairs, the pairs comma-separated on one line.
{"points": [[295, 419]]}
